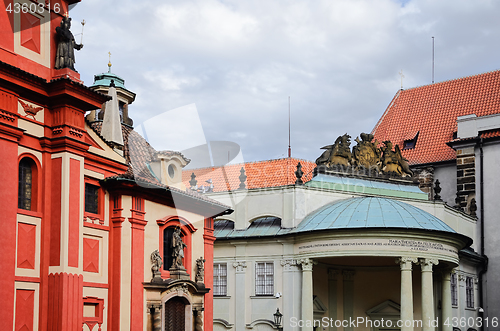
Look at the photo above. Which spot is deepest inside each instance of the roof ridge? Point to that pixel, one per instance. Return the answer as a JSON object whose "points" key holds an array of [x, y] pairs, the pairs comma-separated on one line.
{"points": [[451, 80], [250, 162]]}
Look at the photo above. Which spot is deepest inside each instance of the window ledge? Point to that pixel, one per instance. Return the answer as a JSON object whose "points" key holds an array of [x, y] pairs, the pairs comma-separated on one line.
{"points": [[29, 212], [221, 297], [263, 297]]}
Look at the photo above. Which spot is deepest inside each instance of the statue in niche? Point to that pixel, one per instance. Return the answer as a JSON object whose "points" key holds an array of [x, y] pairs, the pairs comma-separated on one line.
{"points": [[178, 249], [65, 54], [393, 161], [337, 154], [157, 262], [366, 153], [200, 270]]}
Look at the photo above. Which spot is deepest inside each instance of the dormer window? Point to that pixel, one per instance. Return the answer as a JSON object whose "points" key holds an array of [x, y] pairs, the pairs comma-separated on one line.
{"points": [[411, 141]]}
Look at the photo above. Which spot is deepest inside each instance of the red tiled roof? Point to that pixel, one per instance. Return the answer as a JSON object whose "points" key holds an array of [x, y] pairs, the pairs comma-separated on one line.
{"points": [[490, 134], [432, 110], [138, 153], [259, 174]]}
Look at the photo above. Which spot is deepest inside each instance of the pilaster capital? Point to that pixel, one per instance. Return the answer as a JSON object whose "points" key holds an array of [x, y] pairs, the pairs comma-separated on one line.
{"points": [[288, 264], [333, 274], [348, 275], [306, 264], [240, 266], [426, 264], [406, 262]]}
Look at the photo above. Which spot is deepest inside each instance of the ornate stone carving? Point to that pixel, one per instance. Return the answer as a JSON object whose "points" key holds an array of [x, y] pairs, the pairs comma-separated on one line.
{"points": [[240, 266], [333, 274], [426, 264], [437, 190], [288, 264], [242, 178], [348, 275], [200, 270], [157, 262], [393, 161], [306, 264], [337, 154], [29, 109], [406, 262], [366, 153]]}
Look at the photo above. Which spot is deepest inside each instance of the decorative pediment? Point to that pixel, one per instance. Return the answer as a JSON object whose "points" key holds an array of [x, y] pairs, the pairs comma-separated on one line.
{"points": [[387, 310]]}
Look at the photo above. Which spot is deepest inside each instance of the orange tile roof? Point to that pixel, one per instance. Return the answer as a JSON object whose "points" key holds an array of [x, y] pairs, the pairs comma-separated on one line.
{"points": [[490, 134], [260, 174], [432, 110]]}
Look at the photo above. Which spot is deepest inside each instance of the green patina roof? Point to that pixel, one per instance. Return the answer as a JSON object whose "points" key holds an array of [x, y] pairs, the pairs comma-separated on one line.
{"points": [[353, 213], [367, 186], [370, 212], [104, 79]]}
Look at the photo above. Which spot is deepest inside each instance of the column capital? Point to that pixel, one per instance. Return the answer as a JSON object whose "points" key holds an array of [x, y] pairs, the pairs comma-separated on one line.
{"points": [[333, 274], [446, 274], [348, 274], [406, 262], [288, 264], [306, 264], [240, 266], [426, 264]]}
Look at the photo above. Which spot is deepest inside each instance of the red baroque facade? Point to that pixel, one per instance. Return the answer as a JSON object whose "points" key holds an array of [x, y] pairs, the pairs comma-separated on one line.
{"points": [[78, 227]]}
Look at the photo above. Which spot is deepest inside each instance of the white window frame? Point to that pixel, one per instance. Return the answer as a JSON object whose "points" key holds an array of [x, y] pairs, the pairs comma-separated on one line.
{"points": [[264, 278], [220, 279]]}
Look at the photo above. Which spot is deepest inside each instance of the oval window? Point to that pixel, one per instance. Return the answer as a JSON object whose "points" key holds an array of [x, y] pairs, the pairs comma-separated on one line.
{"points": [[171, 171]]}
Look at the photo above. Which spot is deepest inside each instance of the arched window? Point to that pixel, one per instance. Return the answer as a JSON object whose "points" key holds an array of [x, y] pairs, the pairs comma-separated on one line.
{"points": [[26, 182]]}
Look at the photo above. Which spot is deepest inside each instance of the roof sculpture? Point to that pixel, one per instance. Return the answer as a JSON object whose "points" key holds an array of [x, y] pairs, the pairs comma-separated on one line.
{"points": [[365, 158]]}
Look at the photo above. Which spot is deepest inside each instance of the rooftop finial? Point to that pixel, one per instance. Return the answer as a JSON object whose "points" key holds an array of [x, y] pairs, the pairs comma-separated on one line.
{"points": [[402, 76], [109, 63]]}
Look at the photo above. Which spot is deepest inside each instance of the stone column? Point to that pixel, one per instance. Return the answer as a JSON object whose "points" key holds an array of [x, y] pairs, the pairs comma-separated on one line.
{"points": [[348, 297], [446, 301], [427, 294], [239, 297], [307, 292], [332, 297], [154, 316], [406, 292]]}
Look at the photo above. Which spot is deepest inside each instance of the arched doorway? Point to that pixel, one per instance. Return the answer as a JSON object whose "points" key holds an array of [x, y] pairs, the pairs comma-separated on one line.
{"points": [[175, 314]]}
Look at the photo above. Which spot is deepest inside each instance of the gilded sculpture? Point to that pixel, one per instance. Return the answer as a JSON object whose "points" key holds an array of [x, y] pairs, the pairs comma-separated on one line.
{"points": [[366, 157], [337, 154], [393, 161], [366, 153]]}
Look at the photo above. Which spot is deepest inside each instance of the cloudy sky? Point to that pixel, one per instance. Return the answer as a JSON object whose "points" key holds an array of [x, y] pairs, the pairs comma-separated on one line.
{"points": [[226, 68]]}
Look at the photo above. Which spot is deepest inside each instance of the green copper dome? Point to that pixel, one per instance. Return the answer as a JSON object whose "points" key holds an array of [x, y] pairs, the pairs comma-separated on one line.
{"points": [[104, 79], [370, 212]]}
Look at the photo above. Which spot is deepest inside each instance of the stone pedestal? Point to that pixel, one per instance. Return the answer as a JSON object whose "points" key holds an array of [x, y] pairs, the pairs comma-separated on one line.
{"points": [[178, 273]]}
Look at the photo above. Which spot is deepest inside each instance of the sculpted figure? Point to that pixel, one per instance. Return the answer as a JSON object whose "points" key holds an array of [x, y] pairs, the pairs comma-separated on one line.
{"points": [[393, 161], [178, 249], [337, 154], [200, 270], [65, 55], [366, 153], [157, 262]]}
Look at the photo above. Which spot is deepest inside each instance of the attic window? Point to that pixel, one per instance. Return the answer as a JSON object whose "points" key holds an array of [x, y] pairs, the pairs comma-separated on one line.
{"points": [[411, 141]]}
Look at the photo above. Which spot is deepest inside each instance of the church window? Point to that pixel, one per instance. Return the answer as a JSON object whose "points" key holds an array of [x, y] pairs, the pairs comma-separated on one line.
{"points": [[264, 278], [454, 290], [91, 198], [25, 184], [469, 292], [220, 279], [167, 247]]}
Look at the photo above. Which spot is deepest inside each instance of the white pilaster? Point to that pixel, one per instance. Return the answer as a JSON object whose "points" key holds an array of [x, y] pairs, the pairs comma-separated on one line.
{"points": [[307, 293]]}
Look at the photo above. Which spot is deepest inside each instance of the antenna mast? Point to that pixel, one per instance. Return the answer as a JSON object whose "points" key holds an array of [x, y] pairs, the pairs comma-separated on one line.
{"points": [[289, 145], [432, 60]]}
